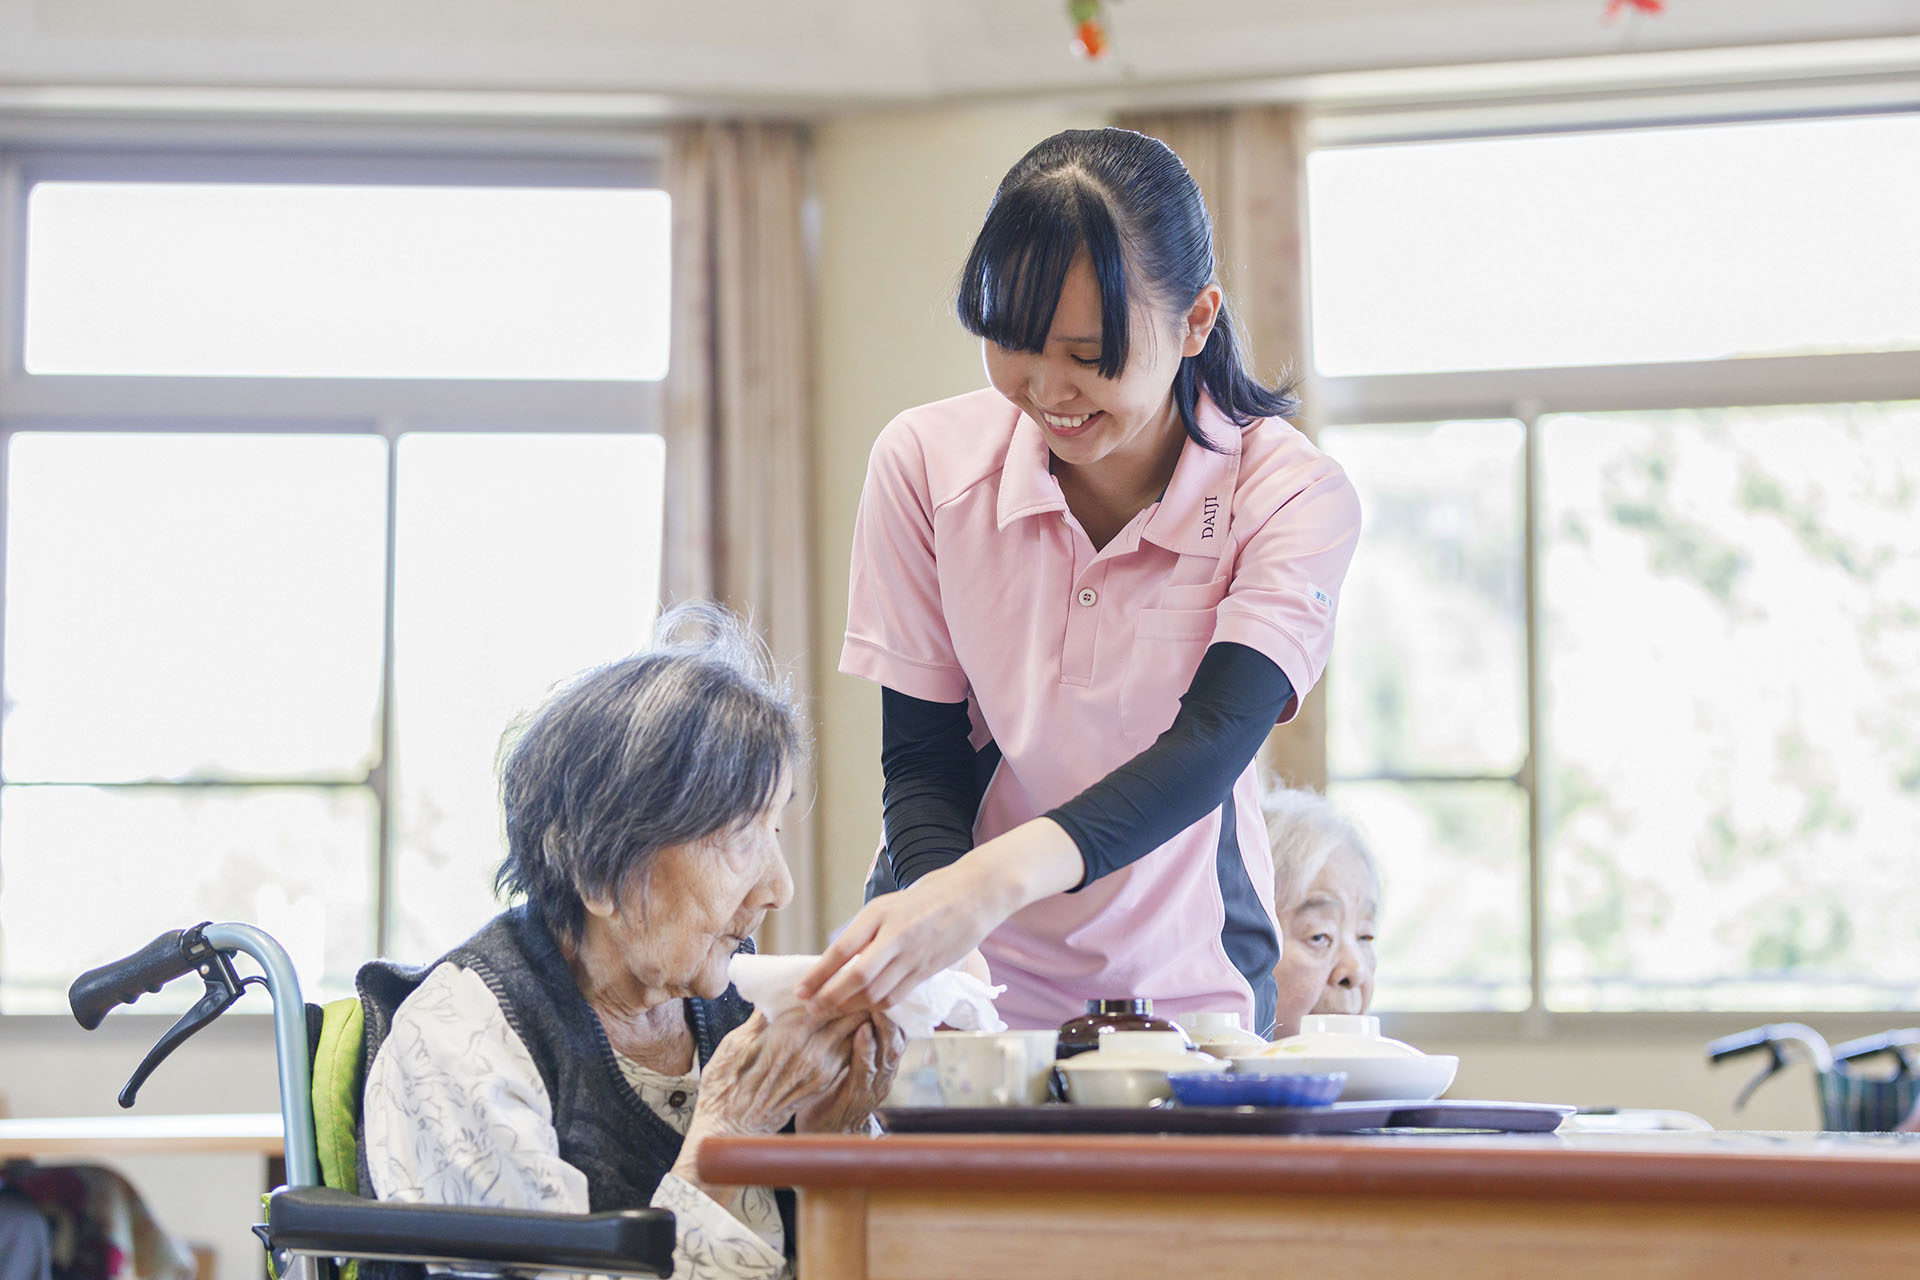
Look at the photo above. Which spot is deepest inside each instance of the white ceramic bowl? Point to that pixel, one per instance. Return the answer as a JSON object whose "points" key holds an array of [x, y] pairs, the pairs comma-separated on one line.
{"points": [[1369, 1078], [1122, 1087], [1130, 1069]]}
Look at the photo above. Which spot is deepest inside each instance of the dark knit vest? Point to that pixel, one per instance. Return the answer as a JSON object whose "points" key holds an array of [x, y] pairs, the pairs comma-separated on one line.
{"points": [[604, 1128]]}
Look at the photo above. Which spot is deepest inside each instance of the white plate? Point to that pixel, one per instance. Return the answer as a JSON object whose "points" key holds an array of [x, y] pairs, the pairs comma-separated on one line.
{"points": [[1368, 1079]]}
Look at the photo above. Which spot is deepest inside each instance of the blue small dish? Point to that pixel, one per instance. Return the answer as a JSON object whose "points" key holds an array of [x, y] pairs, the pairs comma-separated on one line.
{"points": [[1205, 1090]]}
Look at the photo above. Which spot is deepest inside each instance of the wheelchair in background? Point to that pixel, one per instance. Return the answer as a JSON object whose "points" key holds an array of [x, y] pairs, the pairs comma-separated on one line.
{"points": [[318, 1221]]}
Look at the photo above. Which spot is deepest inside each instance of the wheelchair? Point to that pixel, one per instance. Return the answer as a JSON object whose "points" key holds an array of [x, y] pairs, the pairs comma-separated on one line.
{"points": [[319, 1225], [1851, 1100]]}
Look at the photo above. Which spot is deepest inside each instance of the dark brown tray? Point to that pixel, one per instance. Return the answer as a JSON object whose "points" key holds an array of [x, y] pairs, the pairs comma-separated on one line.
{"points": [[1339, 1117]]}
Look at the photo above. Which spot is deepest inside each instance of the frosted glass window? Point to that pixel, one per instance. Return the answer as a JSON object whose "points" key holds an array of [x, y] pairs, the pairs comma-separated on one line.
{"points": [[1452, 926], [319, 281], [1733, 653], [1626, 247], [1426, 706], [193, 606], [94, 874], [522, 560], [1430, 676]]}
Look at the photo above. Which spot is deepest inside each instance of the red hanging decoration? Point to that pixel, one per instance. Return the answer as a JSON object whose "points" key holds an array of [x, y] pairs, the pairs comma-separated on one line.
{"points": [[1089, 21], [1617, 7]]}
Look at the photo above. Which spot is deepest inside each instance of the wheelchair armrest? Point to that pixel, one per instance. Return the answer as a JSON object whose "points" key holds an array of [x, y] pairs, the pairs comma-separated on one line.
{"points": [[325, 1222]]}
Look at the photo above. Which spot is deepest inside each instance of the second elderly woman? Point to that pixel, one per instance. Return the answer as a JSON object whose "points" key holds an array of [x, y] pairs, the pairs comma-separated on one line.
{"points": [[574, 1054], [1326, 892]]}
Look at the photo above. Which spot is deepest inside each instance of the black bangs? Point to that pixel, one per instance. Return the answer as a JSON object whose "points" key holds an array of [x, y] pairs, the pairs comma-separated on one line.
{"points": [[1011, 284]]}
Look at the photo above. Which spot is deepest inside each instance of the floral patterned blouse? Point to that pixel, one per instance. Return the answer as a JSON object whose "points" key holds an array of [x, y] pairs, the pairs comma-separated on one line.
{"points": [[455, 1112]]}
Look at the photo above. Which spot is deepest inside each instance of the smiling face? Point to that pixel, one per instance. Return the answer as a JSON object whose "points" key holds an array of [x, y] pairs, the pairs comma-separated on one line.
{"points": [[1326, 953], [1088, 420], [678, 925]]}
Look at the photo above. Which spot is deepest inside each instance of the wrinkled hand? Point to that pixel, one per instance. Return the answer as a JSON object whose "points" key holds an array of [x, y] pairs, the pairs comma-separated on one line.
{"points": [[765, 1071], [876, 1047], [760, 1076]]}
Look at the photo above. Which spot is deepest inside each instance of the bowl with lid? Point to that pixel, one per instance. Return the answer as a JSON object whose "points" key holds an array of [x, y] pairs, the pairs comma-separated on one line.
{"points": [[1219, 1034], [1130, 1069], [1377, 1068], [1132, 1013]]}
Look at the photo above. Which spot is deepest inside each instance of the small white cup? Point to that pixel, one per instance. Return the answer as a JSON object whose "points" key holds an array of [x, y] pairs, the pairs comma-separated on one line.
{"points": [[994, 1068], [916, 1082]]}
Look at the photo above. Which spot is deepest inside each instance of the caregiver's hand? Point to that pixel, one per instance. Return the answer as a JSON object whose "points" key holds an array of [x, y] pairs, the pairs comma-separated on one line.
{"points": [[901, 939]]}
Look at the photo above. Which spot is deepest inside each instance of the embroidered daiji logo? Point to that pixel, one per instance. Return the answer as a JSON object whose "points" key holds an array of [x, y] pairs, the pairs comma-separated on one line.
{"points": [[1209, 511]]}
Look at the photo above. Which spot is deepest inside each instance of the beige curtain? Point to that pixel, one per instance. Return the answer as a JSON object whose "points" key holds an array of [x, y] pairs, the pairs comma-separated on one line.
{"points": [[1248, 162], [739, 443]]}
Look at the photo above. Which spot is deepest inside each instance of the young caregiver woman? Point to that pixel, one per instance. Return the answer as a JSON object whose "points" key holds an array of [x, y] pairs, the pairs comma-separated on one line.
{"points": [[1087, 593]]}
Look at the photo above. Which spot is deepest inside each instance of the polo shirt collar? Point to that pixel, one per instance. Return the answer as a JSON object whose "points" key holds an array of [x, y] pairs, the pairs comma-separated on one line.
{"points": [[1193, 514], [1027, 486]]}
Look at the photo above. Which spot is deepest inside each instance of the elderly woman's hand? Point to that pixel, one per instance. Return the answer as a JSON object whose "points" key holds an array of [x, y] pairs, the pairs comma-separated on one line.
{"points": [[760, 1076], [877, 1047]]}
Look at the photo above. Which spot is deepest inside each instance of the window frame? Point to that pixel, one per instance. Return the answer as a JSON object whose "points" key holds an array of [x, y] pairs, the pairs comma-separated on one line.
{"points": [[1526, 395], [387, 408]]}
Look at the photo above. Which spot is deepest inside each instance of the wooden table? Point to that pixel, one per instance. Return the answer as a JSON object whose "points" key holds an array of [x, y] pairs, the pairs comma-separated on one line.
{"points": [[1431, 1207]]}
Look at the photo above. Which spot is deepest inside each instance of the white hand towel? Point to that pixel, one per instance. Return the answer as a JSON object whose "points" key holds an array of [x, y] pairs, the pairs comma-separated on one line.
{"points": [[951, 997]]}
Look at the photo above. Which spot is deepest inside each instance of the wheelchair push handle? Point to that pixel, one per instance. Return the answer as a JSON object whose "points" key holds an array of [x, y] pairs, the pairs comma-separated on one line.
{"points": [[1774, 1039], [209, 949], [174, 954]]}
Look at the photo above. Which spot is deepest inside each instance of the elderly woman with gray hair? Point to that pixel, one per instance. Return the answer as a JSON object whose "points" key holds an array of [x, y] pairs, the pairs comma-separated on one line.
{"points": [[574, 1054], [1326, 894]]}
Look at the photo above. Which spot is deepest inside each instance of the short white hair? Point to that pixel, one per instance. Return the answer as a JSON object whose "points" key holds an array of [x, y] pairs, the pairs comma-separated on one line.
{"points": [[1304, 830]]}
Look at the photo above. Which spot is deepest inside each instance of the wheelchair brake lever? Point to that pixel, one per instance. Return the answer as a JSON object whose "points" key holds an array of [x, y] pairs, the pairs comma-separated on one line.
{"points": [[1777, 1061], [224, 986]]}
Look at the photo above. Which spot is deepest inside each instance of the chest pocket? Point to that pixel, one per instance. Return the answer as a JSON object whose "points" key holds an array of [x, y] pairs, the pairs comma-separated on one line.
{"points": [[1168, 643]]}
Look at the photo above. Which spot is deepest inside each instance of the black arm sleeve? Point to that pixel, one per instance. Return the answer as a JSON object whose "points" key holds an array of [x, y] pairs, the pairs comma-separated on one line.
{"points": [[931, 794], [1235, 698]]}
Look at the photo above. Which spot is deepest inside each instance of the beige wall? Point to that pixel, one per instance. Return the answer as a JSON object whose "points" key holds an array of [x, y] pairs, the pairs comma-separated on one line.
{"points": [[1661, 1072]]}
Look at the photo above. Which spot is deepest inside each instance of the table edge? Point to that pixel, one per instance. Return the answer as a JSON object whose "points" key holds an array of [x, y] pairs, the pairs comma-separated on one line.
{"points": [[1353, 1167]]}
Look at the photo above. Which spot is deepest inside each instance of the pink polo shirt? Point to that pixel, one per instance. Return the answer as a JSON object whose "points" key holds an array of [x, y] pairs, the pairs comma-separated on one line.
{"points": [[972, 581]]}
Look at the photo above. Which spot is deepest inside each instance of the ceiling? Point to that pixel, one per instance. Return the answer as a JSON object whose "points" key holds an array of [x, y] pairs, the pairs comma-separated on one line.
{"points": [[814, 57]]}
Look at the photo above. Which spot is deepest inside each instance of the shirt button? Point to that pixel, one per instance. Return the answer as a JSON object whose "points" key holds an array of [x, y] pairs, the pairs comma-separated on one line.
{"points": [[678, 1098], [1089, 597]]}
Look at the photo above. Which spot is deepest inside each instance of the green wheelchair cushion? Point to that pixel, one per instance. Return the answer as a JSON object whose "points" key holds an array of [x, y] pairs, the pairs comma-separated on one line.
{"points": [[336, 1094]]}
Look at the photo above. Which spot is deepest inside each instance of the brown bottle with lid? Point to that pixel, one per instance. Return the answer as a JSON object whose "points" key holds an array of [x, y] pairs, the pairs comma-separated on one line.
{"points": [[1078, 1035]]}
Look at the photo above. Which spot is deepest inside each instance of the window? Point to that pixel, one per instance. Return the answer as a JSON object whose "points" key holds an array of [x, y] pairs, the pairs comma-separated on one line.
{"points": [[1630, 247], [282, 280], [316, 473], [1627, 685]]}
